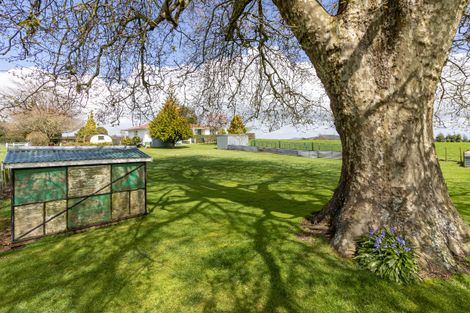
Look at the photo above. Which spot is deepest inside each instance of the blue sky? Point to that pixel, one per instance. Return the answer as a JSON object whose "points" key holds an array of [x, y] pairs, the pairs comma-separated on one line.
{"points": [[285, 132]]}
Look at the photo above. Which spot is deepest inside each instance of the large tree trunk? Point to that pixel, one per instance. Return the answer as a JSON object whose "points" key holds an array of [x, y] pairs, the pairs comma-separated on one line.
{"points": [[391, 177], [380, 62]]}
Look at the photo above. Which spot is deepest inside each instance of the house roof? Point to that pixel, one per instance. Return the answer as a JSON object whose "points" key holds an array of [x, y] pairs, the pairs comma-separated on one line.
{"points": [[27, 157]]}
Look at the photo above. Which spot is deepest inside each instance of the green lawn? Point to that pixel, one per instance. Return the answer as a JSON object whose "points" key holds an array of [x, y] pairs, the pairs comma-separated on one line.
{"points": [[450, 150], [220, 237]]}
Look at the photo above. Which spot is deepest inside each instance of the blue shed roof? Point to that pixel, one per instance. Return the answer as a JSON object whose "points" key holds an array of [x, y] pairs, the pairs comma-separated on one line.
{"points": [[23, 157]]}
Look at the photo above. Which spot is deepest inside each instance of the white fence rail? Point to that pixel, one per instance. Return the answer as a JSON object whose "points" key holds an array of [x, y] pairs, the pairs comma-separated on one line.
{"points": [[17, 144]]}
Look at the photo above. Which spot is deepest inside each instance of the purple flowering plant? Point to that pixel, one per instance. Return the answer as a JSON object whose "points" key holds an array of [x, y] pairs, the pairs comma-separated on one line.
{"points": [[388, 254]]}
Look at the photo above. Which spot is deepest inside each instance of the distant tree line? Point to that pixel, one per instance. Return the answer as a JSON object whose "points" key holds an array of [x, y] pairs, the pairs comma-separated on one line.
{"points": [[452, 138]]}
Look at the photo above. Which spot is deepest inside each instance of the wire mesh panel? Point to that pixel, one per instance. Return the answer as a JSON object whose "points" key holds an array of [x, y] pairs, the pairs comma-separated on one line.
{"points": [[120, 205], [57, 199], [56, 216], [89, 211], [87, 180], [37, 185], [137, 202], [128, 176], [27, 219]]}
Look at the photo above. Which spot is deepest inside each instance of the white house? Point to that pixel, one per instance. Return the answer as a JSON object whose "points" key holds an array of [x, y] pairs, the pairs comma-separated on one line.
{"points": [[97, 139], [142, 131]]}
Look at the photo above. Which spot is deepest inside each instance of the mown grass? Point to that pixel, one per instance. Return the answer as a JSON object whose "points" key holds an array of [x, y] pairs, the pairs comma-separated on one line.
{"points": [[220, 237], [450, 151]]}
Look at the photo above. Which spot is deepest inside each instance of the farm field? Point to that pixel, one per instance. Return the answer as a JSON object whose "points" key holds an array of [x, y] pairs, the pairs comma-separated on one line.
{"points": [[451, 150], [221, 236]]}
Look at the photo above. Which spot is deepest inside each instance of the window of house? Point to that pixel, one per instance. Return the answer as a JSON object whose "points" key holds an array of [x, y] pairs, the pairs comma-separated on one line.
{"points": [[100, 137]]}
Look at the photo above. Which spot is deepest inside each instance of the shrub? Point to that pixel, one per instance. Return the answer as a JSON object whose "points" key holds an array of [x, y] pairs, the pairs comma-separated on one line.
{"points": [[101, 131], [126, 141], [205, 138], [440, 138], [388, 255], [136, 141], [37, 138]]}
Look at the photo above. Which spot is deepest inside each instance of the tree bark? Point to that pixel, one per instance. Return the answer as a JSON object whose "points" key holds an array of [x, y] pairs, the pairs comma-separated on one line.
{"points": [[380, 62]]}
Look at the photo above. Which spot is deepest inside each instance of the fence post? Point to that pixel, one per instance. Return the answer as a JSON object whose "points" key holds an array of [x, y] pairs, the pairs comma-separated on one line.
{"points": [[279, 144]]}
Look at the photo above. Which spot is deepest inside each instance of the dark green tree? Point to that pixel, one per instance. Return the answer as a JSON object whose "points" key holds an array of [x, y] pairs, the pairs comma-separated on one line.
{"points": [[237, 126], [170, 125], [440, 137], [101, 131]]}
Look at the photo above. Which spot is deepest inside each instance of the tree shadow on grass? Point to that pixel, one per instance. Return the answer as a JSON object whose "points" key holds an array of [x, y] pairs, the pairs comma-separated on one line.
{"points": [[220, 236]]}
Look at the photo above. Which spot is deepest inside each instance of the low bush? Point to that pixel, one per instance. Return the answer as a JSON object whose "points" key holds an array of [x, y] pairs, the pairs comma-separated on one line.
{"points": [[134, 141], [388, 255], [205, 138]]}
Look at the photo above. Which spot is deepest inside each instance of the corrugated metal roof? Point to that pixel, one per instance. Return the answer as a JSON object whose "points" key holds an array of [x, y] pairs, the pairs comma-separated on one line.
{"points": [[44, 156]]}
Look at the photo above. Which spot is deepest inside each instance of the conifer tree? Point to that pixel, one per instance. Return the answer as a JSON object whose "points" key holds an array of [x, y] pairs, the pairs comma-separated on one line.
{"points": [[170, 125], [237, 126], [88, 130]]}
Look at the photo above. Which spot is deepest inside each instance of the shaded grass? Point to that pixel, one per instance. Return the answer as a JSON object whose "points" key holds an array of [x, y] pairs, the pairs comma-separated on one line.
{"points": [[220, 237]]}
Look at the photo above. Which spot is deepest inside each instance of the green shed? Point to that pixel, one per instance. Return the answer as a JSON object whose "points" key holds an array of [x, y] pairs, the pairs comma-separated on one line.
{"points": [[60, 189]]}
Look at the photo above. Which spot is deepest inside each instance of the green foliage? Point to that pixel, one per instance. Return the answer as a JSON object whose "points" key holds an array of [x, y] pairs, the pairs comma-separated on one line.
{"points": [[126, 141], [90, 129], [440, 137], [221, 131], [454, 138], [388, 255], [205, 138], [237, 126], [134, 141], [169, 125], [90, 125], [101, 131]]}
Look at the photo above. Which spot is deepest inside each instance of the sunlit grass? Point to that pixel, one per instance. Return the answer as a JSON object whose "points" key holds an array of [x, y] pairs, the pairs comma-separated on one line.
{"points": [[220, 237]]}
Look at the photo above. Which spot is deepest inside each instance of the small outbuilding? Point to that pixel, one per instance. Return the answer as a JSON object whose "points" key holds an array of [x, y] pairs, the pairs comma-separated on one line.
{"points": [[60, 189], [466, 159], [101, 139], [223, 141]]}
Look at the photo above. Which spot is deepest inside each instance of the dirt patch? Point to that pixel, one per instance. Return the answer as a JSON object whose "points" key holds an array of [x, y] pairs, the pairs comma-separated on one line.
{"points": [[5, 238], [308, 229]]}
